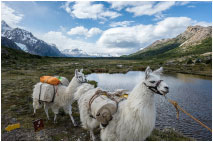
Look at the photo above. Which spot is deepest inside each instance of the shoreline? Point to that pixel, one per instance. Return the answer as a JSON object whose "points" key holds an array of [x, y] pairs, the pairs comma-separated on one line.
{"points": [[168, 134], [23, 72]]}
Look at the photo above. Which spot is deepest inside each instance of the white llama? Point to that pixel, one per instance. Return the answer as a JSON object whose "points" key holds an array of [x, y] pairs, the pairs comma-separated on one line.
{"points": [[135, 117], [83, 94], [64, 97]]}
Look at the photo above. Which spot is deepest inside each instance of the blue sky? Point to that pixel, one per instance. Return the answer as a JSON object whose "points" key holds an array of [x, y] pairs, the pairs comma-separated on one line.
{"points": [[97, 27]]}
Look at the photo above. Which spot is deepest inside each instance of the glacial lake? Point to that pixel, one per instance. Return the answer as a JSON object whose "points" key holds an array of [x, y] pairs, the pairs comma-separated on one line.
{"points": [[193, 93]]}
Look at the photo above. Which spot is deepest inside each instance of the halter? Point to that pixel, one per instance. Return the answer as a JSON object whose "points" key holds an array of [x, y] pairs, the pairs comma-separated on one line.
{"points": [[155, 88], [81, 81]]}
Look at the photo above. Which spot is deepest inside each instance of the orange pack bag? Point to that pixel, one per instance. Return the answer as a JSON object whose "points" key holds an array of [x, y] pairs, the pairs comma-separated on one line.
{"points": [[50, 80]]}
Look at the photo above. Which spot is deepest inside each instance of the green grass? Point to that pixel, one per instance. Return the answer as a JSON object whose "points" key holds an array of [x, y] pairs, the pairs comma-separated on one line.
{"points": [[158, 50], [167, 135], [205, 46], [20, 71], [171, 51]]}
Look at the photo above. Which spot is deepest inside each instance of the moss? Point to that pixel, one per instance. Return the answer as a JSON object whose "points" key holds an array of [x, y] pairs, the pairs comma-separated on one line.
{"points": [[13, 108], [93, 83], [167, 135]]}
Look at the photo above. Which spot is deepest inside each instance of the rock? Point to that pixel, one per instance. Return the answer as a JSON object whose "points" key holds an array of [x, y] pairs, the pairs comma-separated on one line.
{"points": [[13, 120], [189, 61], [13, 107], [198, 61], [120, 66]]}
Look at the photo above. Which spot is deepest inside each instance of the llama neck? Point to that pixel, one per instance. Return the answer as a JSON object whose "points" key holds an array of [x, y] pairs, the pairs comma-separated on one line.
{"points": [[137, 115], [141, 97], [73, 85]]}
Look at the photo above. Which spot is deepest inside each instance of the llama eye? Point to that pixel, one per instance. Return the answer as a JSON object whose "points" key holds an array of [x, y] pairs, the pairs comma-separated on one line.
{"points": [[152, 81]]}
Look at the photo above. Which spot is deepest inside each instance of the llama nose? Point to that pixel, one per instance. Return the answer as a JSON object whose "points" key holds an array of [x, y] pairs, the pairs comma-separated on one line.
{"points": [[167, 88]]}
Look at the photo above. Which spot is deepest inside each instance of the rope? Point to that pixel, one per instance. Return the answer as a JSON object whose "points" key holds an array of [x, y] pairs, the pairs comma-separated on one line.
{"points": [[175, 104]]}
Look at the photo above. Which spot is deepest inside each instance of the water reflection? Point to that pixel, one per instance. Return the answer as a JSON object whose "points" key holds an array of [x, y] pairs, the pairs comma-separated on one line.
{"points": [[193, 93], [112, 82]]}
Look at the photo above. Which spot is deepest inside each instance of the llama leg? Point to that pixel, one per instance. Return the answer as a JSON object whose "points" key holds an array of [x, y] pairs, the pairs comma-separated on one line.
{"points": [[55, 110], [55, 118], [46, 111], [70, 114], [72, 119], [34, 112], [92, 135], [35, 106]]}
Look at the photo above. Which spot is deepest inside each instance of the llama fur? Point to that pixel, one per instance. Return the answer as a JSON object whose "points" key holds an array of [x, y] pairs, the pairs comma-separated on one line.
{"points": [[83, 95], [63, 99], [135, 117]]}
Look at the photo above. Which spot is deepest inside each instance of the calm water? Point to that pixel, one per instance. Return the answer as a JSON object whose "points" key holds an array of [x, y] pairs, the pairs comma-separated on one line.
{"points": [[193, 93]]}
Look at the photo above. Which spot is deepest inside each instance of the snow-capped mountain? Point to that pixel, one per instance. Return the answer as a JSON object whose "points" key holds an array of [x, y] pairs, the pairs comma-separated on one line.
{"points": [[4, 27], [9, 43], [80, 53], [75, 53], [22, 46], [29, 43]]}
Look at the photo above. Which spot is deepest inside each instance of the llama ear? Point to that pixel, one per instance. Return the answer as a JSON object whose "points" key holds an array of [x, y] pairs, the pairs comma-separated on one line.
{"points": [[76, 72], [159, 71], [81, 70], [147, 72]]}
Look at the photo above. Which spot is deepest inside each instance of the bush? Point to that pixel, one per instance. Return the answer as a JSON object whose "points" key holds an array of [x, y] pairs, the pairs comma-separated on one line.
{"points": [[189, 61]]}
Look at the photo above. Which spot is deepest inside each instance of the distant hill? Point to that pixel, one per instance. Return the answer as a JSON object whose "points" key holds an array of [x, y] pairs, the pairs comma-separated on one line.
{"points": [[11, 56], [195, 40], [28, 42]]}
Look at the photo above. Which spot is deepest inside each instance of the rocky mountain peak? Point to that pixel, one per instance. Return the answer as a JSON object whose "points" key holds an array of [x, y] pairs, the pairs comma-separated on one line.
{"points": [[28, 42], [194, 29], [160, 41], [192, 36], [195, 34], [4, 27]]}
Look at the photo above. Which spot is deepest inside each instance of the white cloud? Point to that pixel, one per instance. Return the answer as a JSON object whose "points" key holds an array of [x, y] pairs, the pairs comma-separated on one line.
{"points": [[202, 23], [82, 31], [78, 31], [150, 9], [89, 10], [118, 5], [159, 16], [172, 26], [139, 8], [122, 40], [94, 31], [10, 16], [182, 3], [63, 42], [121, 24], [191, 6], [139, 36]]}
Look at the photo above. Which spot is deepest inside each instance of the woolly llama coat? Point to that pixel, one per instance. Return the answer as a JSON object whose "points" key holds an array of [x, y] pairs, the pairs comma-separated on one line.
{"points": [[135, 118], [83, 95], [64, 97]]}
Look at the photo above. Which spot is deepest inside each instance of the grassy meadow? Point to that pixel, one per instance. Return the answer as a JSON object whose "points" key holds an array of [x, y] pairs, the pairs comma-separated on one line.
{"points": [[21, 71]]}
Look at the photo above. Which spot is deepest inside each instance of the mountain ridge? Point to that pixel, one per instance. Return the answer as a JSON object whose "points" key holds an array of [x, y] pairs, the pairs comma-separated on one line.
{"points": [[34, 45], [192, 36]]}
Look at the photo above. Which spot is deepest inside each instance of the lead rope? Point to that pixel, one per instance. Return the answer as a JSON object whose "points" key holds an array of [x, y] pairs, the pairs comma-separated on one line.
{"points": [[175, 104]]}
